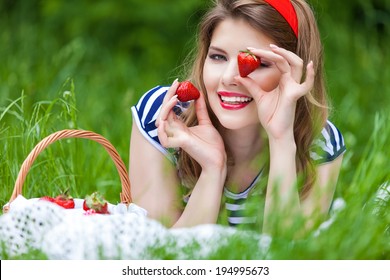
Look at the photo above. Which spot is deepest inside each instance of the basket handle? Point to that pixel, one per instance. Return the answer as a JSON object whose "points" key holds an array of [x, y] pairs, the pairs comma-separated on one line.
{"points": [[125, 195]]}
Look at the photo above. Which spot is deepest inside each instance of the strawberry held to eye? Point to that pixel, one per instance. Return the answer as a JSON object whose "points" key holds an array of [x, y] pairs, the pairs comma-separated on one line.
{"points": [[186, 91], [96, 202], [247, 63]]}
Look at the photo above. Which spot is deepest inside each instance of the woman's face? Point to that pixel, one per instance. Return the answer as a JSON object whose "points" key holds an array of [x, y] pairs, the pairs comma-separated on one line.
{"points": [[231, 102]]}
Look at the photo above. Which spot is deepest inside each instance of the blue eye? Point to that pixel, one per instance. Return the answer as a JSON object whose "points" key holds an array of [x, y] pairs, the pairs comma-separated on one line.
{"points": [[217, 57]]}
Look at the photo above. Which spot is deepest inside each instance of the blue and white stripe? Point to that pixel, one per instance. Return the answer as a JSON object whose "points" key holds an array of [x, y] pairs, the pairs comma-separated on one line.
{"points": [[331, 144], [235, 205], [145, 114]]}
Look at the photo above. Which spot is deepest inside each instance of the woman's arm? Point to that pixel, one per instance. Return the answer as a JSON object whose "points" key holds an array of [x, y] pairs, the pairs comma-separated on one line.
{"points": [[154, 183], [282, 196], [154, 178], [282, 203], [317, 204], [155, 187]]}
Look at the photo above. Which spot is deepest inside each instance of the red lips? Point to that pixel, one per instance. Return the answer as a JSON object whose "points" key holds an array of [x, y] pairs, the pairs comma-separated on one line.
{"points": [[233, 101]]}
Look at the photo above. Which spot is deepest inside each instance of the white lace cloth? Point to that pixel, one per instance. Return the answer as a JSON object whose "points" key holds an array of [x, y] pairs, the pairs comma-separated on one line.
{"points": [[126, 234]]}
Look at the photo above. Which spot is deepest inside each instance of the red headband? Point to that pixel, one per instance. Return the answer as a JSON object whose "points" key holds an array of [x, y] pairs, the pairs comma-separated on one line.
{"points": [[286, 9]]}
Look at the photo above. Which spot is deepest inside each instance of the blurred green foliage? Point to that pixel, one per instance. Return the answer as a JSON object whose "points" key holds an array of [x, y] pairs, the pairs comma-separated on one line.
{"points": [[356, 37], [114, 51]]}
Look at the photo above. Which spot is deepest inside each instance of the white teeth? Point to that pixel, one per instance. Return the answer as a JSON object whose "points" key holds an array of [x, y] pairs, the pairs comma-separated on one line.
{"points": [[236, 99]]}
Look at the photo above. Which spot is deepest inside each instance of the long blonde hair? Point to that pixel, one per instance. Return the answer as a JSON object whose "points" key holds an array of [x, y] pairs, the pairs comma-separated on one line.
{"points": [[311, 111]]}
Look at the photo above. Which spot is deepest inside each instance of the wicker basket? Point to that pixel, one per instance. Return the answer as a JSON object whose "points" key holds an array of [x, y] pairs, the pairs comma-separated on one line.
{"points": [[125, 195]]}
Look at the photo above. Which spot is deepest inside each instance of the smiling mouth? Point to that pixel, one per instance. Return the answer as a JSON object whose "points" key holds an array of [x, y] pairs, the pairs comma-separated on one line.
{"points": [[235, 100]]}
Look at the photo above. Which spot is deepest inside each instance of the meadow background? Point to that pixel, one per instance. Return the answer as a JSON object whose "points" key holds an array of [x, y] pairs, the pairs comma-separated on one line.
{"points": [[83, 64]]}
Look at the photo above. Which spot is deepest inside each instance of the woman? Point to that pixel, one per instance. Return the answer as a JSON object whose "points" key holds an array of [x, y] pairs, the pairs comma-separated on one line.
{"points": [[270, 126]]}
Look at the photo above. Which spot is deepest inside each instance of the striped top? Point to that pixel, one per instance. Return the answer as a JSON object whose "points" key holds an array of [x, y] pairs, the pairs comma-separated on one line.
{"points": [[326, 148]]}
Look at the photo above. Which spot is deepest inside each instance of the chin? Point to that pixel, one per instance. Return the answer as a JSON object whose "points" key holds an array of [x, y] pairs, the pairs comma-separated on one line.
{"points": [[236, 122]]}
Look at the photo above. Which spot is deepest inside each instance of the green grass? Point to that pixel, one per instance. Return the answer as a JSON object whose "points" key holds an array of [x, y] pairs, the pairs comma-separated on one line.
{"points": [[87, 79], [77, 164]]}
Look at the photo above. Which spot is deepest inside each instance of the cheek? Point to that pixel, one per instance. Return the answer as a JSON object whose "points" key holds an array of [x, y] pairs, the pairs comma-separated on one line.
{"points": [[210, 76], [269, 80]]}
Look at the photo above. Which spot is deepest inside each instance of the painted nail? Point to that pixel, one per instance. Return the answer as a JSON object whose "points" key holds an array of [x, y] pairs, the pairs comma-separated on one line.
{"points": [[175, 81]]}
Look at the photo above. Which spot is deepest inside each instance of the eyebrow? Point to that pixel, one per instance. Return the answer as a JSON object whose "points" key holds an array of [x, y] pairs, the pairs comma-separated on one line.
{"points": [[213, 48]]}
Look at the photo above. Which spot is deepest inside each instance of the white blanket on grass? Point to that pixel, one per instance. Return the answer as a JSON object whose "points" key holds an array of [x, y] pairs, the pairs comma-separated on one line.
{"points": [[126, 234]]}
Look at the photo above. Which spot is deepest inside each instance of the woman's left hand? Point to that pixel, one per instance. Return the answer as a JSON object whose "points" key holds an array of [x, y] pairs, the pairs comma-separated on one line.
{"points": [[276, 108]]}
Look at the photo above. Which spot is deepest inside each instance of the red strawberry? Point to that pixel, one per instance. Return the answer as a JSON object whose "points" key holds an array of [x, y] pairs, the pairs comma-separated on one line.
{"points": [[186, 91], [96, 202], [247, 63], [64, 200], [47, 198]]}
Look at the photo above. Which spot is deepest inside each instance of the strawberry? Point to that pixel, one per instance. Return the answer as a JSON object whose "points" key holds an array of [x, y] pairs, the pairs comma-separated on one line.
{"points": [[95, 202], [247, 63], [47, 198], [186, 91], [64, 200]]}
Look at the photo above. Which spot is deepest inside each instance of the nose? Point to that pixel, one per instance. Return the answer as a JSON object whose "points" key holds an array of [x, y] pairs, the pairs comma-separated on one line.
{"points": [[230, 72]]}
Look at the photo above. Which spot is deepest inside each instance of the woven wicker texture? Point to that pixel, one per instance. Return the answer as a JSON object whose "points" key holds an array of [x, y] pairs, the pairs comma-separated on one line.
{"points": [[125, 195]]}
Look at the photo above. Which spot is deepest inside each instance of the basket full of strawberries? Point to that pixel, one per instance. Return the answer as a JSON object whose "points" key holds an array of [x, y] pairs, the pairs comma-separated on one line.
{"points": [[93, 203]]}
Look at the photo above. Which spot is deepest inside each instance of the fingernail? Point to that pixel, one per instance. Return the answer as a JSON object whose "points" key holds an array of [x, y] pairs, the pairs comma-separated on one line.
{"points": [[175, 81], [250, 48], [273, 46]]}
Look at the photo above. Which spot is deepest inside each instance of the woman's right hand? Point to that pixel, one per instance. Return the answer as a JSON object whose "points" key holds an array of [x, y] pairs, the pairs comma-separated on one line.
{"points": [[202, 142]]}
